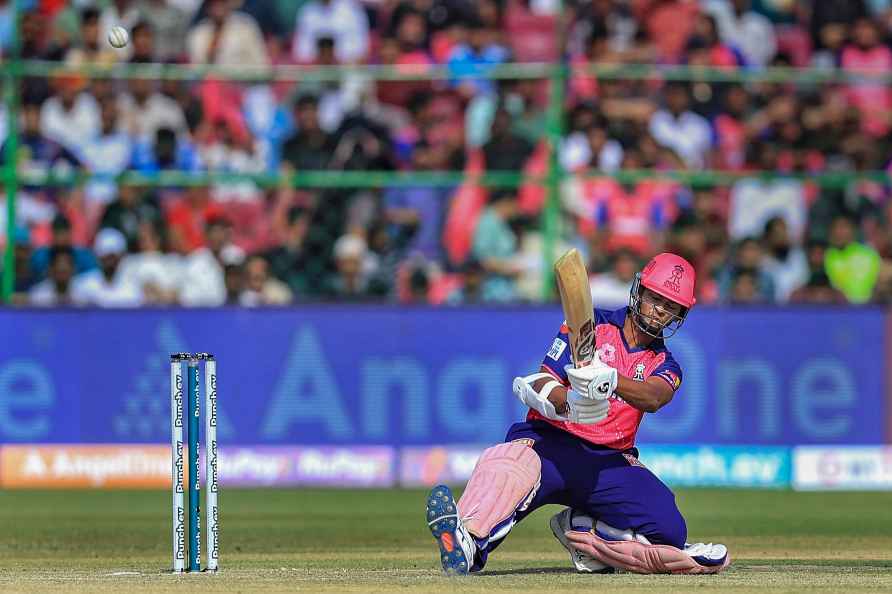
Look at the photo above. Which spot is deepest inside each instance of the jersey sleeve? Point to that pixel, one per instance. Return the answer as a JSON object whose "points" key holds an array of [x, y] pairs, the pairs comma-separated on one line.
{"points": [[558, 356], [669, 371]]}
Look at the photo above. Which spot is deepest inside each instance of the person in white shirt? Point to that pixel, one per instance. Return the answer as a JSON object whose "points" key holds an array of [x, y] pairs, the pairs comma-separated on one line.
{"points": [[106, 287], [751, 33], [144, 111], [345, 21], [682, 130], [108, 154], [755, 201], [70, 117], [227, 37], [611, 289], [155, 272], [784, 260], [55, 290]]}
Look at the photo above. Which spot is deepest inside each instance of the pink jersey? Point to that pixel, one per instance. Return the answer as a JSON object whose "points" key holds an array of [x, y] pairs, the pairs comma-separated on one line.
{"points": [[618, 430], [630, 217], [874, 100]]}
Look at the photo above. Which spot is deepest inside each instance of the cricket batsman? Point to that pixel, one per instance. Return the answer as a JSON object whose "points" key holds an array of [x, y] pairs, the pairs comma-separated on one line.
{"points": [[577, 449]]}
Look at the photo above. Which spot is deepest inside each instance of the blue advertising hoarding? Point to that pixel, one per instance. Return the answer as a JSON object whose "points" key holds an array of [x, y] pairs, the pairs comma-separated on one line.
{"points": [[414, 376]]}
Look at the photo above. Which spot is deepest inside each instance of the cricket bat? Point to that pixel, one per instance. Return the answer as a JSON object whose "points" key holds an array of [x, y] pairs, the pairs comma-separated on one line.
{"points": [[576, 299]]}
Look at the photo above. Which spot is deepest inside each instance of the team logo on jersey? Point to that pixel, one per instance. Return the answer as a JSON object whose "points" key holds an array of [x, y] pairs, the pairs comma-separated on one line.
{"points": [[557, 349], [607, 353], [639, 373], [674, 281]]}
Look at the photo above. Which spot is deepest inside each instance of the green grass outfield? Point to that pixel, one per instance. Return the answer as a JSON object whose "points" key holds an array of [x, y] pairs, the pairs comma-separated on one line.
{"points": [[377, 541]]}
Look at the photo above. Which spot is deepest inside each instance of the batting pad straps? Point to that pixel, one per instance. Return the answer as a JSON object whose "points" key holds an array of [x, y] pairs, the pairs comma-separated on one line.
{"points": [[638, 557], [504, 481]]}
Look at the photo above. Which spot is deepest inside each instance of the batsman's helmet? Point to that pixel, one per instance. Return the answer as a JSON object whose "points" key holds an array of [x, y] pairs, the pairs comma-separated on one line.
{"points": [[672, 277]]}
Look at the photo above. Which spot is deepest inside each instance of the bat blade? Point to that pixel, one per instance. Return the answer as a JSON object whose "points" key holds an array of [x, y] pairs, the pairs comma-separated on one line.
{"points": [[576, 300]]}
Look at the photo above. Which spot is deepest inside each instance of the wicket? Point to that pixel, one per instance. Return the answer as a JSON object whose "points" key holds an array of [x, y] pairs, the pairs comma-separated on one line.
{"points": [[188, 547]]}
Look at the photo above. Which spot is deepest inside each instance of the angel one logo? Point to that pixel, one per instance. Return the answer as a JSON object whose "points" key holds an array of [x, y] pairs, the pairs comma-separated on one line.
{"points": [[674, 281]]}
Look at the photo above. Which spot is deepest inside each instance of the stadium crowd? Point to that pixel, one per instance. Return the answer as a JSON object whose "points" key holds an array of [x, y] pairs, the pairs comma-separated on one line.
{"points": [[775, 239]]}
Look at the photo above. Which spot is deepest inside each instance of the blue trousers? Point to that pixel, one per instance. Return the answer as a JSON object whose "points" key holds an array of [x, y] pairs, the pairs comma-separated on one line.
{"points": [[609, 485]]}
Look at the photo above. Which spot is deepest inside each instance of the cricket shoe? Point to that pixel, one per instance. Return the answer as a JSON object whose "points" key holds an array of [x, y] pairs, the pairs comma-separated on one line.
{"points": [[565, 521], [709, 555], [457, 546]]}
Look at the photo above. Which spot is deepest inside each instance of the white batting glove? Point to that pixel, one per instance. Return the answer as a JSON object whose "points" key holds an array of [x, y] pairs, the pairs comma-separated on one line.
{"points": [[596, 380], [585, 410]]}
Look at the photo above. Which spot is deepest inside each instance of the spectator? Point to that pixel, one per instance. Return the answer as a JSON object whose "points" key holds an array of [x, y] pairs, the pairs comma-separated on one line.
{"points": [[818, 290], [289, 261], [477, 56], [420, 209], [351, 281], [226, 37], [82, 258], [496, 247], [260, 287], [705, 48], [678, 128], [631, 215], [592, 148], [611, 289], [187, 219], [745, 288], [71, 116], [754, 201], [344, 21], [151, 269], [25, 279], [229, 151], [106, 287], [745, 30], [419, 286], [56, 289], [132, 207], [757, 285], [203, 282], [867, 53], [92, 48], [310, 147], [471, 290], [144, 111], [234, 283], [785, 262], [37, 152], [168, 24], [142, 44], [107, 155], [830, 21], [669, 24], [731, 129], [505, 150], [166, 151], [852, 266]]}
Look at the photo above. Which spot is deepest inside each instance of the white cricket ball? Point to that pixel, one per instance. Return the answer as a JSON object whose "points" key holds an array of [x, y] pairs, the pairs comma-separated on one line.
{"points": [[118, 37]]}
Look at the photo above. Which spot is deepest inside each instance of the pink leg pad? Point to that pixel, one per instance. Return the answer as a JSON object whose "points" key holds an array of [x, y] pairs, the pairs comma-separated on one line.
{"points": [[504, 481], [638, 557]]}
